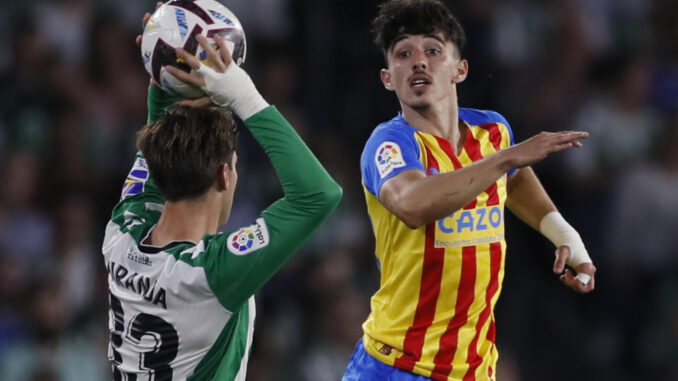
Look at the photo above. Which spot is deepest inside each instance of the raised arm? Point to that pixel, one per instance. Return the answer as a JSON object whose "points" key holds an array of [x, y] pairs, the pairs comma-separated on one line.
{"points": [[310, 194]]}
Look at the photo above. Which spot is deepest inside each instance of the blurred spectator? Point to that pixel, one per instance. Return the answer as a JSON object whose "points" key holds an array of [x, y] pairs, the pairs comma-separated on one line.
{"points": [[49, 349], [623, 126], [644, 215], [25, 229], [641, 243], [337, 329], [69, 18], [77, 255], [14, 280], [620, 120]]}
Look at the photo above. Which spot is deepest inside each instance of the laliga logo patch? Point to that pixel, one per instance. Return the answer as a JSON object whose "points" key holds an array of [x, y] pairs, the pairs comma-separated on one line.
{"points": [[243, 240], [249, 239], [389, 157]]}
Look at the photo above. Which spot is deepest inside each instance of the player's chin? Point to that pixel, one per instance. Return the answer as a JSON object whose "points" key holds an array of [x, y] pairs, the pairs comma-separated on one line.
{"points": [[418, 101]]}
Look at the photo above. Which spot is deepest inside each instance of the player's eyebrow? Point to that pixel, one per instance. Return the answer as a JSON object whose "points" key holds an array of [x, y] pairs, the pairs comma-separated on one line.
{"points": [[435, 37], [403, 36]]}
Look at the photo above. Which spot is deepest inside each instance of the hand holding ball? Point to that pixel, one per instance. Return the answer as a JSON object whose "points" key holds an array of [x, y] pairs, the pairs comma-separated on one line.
{"points": [[176, 25]]}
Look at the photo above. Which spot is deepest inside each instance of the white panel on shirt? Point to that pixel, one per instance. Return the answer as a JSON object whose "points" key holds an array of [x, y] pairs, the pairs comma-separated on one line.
{"points": [[192, 308]]}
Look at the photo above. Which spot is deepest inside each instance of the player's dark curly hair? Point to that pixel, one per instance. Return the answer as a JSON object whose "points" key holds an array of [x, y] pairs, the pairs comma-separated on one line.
{"points": [[399, 17], [185, 149]]}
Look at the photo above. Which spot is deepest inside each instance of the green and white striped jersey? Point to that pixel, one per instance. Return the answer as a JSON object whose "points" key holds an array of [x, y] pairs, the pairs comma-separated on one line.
{"points": [[186, 311]]}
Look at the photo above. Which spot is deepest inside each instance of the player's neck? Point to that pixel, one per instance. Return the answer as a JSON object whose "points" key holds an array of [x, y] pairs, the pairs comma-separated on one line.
{"points": [[186, 220], [439, 119]]}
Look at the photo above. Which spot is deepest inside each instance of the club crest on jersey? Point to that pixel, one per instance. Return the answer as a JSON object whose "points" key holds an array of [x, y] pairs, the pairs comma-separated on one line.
{"points": [[249, 239], [136, 179], [389, 156]]}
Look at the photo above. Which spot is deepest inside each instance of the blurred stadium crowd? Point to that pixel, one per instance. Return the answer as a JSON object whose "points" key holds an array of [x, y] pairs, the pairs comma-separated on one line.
{"points": [[72, 96]]}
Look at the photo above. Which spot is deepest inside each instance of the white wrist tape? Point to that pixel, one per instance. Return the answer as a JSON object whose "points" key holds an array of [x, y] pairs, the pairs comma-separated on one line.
{"points": [[584, 278], [554, 227], [233, 89]]}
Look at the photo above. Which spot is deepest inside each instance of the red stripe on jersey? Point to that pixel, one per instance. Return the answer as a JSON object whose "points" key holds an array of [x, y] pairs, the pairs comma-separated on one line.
{"points": [[431, 276], [465, 296], [492, 332], [495, 134], [431, 161], [491, 335], [492, 196], [429, 291], [472, 147], [495, 264], [447, 148]]}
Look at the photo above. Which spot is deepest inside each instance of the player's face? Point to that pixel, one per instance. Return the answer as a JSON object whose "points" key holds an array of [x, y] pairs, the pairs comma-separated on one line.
{"points": [[423, 69]]}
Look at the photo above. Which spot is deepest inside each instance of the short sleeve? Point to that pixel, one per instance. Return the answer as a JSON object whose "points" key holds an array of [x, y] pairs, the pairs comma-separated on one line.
{"points": [[388, 152]]}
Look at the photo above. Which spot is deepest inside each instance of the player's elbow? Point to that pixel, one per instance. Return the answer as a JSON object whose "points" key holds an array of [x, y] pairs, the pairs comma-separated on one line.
{"points": [[332, 195], [413, 221], [324, 200], [412, 215]]}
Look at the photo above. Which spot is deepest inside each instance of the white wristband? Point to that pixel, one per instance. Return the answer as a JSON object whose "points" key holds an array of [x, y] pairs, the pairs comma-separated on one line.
{"points": [[554, 227], [233, 89]]}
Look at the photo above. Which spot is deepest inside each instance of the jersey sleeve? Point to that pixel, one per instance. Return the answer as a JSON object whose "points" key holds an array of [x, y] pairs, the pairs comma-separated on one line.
{"points": [[158, 101], [387, 153], [238, 263]]}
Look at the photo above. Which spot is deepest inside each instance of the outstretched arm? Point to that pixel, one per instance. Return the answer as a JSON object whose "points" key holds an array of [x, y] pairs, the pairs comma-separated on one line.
{"points": [[418, 199], [528, 200]]}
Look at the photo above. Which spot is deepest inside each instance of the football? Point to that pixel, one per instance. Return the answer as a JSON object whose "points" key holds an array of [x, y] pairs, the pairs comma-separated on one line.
{"points": [[175, 25]]}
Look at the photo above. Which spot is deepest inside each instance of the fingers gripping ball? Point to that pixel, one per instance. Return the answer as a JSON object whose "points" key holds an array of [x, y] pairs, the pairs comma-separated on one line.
{"points": [[176, 25]]}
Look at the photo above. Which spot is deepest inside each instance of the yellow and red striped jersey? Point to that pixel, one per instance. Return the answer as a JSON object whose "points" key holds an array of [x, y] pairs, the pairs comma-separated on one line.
{"points": [[433, 313]]}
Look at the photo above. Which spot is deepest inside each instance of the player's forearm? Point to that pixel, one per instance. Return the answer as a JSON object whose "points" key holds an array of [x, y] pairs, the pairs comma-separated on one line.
{"points": [[430, 198], [305, 181], [158, 101], [527, 198]]}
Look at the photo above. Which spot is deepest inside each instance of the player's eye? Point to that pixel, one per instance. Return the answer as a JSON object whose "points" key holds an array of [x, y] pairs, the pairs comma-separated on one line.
{"points": [[434, 51], [404, 54]]}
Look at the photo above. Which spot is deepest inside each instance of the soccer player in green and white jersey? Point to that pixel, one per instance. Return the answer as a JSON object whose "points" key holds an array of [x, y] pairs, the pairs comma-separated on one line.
{"points": [[181, 294]]}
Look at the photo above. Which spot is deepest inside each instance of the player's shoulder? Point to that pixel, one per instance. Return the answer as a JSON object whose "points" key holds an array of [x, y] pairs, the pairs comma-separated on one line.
{"points": [[394, 126], [477, 117], [395, 130]]}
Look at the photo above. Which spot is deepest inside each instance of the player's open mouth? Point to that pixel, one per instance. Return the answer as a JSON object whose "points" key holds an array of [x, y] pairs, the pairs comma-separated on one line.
{"points": [[419, 81]]}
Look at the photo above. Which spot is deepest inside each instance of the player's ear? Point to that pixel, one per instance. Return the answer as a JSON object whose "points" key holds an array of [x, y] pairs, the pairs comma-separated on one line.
{"points": [[223, 177], [385, 76], [461, 71]]}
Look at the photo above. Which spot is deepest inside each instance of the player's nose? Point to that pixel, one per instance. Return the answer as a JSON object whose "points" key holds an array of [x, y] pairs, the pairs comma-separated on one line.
{"points": [[419, 60]]}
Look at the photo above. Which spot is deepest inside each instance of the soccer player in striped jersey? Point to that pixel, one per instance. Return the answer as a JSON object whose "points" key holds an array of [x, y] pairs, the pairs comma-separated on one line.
{"points": [[181, 293], [436, 179]]}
